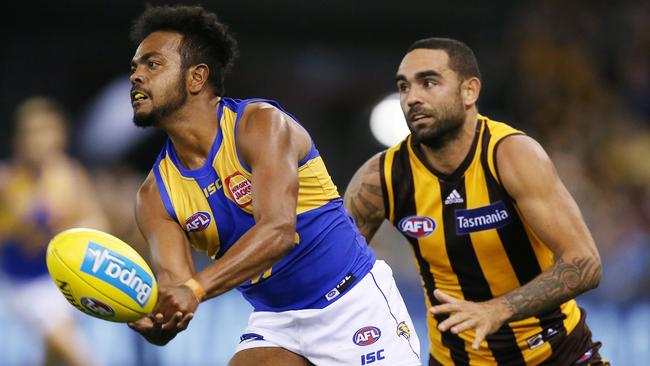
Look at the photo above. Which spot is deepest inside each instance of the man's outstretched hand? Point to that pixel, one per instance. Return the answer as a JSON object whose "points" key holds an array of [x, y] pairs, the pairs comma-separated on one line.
{"points": [[484, 317], [173, 313]]}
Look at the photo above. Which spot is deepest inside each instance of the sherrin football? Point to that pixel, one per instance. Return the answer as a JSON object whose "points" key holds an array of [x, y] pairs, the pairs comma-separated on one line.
{"points": [[101, 275]]}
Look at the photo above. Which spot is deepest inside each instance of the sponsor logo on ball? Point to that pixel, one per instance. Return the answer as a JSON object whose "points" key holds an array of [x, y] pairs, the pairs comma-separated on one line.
{"points": [[118, 271], [197, 222], [366, 336], [417, 226], [240, 189], [97, 307]]}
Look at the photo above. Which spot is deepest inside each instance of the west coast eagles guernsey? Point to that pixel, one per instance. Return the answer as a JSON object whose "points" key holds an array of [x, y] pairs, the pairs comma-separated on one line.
{"points": [[214, 204], [471, 242]]}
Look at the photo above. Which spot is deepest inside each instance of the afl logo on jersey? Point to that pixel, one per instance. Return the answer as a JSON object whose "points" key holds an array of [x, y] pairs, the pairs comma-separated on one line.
{"points": [[197, 222], [417, 226], [240, 189], [366, 336]]}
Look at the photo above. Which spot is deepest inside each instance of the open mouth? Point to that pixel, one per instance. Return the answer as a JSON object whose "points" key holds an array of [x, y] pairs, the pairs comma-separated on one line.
{"points": [[138, 96], [418, 117]]}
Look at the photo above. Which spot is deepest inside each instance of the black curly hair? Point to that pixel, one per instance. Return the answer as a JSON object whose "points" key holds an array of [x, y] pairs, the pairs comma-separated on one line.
{"points": [[205, 39], [461, 57]]}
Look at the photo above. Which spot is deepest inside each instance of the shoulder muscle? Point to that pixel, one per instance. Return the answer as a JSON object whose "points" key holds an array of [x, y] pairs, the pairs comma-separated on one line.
{"points": [[265, 127]]}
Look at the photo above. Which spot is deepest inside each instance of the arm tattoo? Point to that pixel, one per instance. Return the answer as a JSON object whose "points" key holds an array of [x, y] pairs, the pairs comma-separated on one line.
{"points": [[364, 200], [367, 213], [559, 283]]}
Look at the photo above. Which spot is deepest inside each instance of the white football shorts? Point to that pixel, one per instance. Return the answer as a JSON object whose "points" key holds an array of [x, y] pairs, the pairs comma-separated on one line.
{"points": [[368, 325]]}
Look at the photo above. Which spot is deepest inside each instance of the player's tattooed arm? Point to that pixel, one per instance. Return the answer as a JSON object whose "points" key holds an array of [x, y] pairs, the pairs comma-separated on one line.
{"points": [[561, 282], [545, 204], [364, 199], [528, 175]]}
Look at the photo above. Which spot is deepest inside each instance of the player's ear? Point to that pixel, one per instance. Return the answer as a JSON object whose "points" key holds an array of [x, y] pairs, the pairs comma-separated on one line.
{"points": [[197, 78], [469, 90]]}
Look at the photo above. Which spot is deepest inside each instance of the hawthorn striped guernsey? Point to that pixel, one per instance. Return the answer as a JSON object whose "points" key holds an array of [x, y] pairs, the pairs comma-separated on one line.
{"points": [[477, 247]]}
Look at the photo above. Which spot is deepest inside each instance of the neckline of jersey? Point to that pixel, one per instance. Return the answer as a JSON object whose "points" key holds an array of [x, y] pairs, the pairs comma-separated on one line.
{"points": [[207, 166], [460, 171]]}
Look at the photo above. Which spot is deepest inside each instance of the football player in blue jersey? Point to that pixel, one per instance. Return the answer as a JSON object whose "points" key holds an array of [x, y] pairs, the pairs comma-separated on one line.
{"points": [[243, 181]]}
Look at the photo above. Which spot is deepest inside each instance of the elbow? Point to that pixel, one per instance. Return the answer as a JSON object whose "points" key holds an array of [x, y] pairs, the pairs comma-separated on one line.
{"points": [[286, 242], [580, 272], [284, 235], [591, 271], [596, 274]]}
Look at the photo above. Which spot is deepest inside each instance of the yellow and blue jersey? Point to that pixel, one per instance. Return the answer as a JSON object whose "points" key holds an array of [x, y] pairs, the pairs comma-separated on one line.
{"points": [[19, 260], [214, 204]]}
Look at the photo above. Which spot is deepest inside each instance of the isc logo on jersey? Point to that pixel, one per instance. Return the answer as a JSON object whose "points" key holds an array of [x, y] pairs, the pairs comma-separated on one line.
{"points": [[118, 271], [417, 226], [197, 222], [366, 336]]}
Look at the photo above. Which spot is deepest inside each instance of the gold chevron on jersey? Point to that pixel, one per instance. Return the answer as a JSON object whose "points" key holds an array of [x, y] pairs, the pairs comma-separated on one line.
{"points": [[215, 205], [197, 198]]}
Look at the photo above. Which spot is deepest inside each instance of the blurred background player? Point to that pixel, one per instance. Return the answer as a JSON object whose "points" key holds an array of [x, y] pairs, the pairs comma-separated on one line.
{"points": [[116, 187], [43, 191]]}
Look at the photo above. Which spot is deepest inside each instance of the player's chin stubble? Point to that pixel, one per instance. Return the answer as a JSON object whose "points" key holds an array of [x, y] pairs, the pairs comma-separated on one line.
{"points": [[146, 119], [445, 129]]}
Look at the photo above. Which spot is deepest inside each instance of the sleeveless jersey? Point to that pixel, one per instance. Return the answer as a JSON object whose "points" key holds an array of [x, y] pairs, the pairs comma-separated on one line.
{"points": [[23, 202], [214, 204], [471, 242]]}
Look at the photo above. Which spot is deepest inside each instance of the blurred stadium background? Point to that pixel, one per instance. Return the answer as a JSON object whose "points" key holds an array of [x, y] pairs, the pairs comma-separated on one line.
{"points": [[573, 74]]}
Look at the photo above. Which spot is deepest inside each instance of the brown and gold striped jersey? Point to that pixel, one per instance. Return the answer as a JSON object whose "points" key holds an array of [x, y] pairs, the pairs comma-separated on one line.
{"points": [[471, 242]]}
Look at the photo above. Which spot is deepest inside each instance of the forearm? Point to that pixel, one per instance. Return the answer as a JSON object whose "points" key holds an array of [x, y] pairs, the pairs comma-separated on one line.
{"points": [[253, 254], [564, 280], [364, 198]]}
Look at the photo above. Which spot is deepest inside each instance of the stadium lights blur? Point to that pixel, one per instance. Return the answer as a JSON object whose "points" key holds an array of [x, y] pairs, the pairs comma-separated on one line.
{"points": [[387, 121]]}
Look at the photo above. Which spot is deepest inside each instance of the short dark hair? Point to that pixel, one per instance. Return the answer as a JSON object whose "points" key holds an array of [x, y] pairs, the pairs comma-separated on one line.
{"points": [[461, 57], [205, 39]]}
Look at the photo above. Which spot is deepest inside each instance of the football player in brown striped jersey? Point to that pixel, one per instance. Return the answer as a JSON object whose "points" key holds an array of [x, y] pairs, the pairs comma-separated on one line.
{"points": [[501, 245]]}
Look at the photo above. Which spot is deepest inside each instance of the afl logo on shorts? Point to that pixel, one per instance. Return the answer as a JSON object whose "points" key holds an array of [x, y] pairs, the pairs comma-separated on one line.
{"points": [[197, 222], [366, 336], [97, 307], [417, 226], [240, 189]]}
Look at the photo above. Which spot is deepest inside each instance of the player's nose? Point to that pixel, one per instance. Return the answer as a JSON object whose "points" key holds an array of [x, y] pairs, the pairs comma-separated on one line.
{"points": [[136, 77], [413, 97]]}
